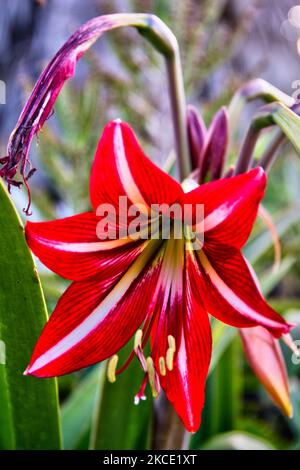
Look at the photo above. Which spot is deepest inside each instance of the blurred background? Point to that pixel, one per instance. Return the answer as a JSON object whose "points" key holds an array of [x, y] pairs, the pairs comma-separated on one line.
{"points": [[223, 43]]}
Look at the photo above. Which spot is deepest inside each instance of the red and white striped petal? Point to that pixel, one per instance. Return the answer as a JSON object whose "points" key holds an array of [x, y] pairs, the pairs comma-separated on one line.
{"points": [[121, 168], [94, 319], [232, 296], [266, 360], [71, 248], [185, 384], [230, 206]]}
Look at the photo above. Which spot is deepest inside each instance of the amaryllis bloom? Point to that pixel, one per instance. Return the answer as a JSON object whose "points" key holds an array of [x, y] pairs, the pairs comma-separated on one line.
{"points": [[156, 289]]}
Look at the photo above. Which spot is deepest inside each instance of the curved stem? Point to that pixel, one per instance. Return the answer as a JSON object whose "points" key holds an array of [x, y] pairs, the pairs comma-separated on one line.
{"points": [[246, 154], [270, 115], [270, 153], [62, 67], [165, 42], [178, 109], [253, 90]]}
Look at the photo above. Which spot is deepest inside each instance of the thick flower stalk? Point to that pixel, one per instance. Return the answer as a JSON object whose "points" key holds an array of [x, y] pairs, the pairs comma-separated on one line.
{"points": [[158, 288]]}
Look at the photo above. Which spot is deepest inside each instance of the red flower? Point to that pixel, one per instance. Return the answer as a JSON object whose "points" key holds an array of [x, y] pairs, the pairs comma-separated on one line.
{"points": [[161, 289]]}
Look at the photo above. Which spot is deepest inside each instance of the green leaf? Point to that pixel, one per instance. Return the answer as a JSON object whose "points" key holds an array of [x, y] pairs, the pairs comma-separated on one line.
{"points": [[119, 424], [77, 410], [222, 336], [28, 406]]}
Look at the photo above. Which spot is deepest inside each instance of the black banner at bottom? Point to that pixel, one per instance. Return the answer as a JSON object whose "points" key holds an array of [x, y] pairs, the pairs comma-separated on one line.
{"points": [[133, 459]]}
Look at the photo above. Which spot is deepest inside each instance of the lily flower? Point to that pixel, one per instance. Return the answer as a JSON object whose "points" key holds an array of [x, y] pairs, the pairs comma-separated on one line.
{"points": [[153, 289]]}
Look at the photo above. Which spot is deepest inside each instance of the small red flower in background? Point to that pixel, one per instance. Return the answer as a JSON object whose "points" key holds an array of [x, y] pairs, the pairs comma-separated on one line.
{"points": [[161, 289]]}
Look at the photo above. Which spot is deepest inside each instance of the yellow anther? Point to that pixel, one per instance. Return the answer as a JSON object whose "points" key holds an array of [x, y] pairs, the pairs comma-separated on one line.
{"points": [[111, 368], [162, 365], [138, 339], [172, 342], [170, 358], [151, 375]]}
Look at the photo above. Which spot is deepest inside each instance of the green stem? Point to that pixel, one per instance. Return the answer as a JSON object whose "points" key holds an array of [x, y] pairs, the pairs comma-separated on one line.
{"points": [[253, 90], [178, 109], [271, 151], [272, 114], [162, 38], [245, 157]]}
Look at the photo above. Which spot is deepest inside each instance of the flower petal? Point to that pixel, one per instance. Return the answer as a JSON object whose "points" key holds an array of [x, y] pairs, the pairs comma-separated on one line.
{"points": [[94, 319], [71, 248], [216, 147], [120, 168], [197, 136], [230, 206], [266, 360], [184, 385], [231, 294]]}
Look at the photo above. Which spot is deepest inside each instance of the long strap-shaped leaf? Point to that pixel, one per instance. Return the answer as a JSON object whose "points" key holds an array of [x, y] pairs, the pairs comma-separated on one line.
{"points": [[28, 406]]}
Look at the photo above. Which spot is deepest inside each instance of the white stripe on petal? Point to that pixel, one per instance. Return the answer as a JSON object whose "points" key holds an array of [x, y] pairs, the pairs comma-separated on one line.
{"points": [[86, 247], [98, 315], [232, 298], [218, 216], [124, 172]]}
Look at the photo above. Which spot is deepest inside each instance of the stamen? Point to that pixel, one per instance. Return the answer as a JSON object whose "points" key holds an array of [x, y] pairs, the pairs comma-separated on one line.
{"points": [[111, 368], [170, 359], [172, 342], [170, 352], [138, 339], [137, 399], [152, 377], [141, 357], [162, 365], [138, 349]]}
